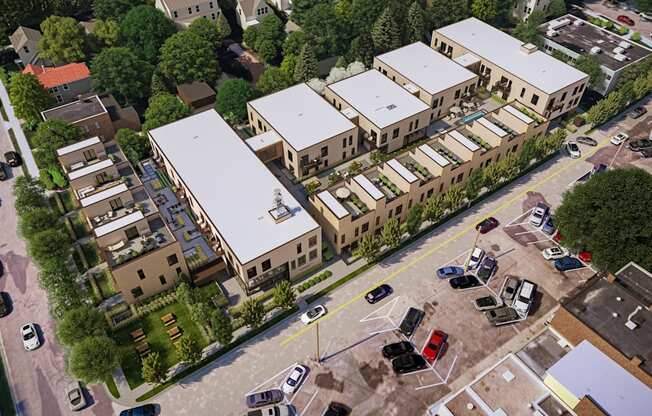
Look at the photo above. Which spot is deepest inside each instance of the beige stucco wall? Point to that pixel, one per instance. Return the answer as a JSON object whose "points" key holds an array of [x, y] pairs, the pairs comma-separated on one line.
{"points": [[91, 179], [102, 207], [78, 155], [99, 125], [120, 235]]}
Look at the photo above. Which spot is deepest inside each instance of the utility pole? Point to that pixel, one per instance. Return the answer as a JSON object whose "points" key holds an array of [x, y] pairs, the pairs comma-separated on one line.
{"points": [[475, 243], [317, 329]]}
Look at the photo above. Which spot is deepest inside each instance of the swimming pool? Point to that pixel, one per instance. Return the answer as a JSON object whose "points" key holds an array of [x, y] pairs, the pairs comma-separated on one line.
{"points": [[471, 117]]}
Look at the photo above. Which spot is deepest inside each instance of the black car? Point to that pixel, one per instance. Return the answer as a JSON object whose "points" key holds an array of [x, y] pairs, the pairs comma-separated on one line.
{"points": [[379, 293], [485, 303], [336, 409], [408, 363], [638, 145], [144, 410], [4, 310], [486, 268], [587, 140], [411, 321], [637, 112], [487, 225], [3, 173], [464, 282], [13, 159], [646, 152], [397, 349]]}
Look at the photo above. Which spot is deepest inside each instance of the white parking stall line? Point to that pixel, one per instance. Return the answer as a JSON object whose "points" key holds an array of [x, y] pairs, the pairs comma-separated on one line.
{"points": [[430, 386], [417, 372], [309, 402], [513, 223], [255, 389], [296, 392], [390, 306], [528, 232], [451, 261], [426, 341], [539, 241], [328, 346], [450, 370]]}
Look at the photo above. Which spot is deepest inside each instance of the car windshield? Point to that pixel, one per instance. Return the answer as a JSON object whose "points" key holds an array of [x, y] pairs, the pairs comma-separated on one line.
{"points": [[74, 396], [28, 335], [573, 147], [291, 381], [313, 312]]}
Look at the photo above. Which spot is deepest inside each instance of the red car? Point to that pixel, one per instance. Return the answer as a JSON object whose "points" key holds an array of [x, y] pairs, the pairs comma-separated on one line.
{"points": [[436, 346], [626, 20], [585, 256], [558, 237], [487, 225]]}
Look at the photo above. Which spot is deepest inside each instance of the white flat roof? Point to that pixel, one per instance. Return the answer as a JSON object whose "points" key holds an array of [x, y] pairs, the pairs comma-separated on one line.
{"points": [[231, 184], [538, 68], [76, 146], [263, 140], [434, 155], [467, 59], [402, 170], [378, 98], [87, 170], [301, 116], [369, 187], [518, 114], [426, 68], [105, 194], [118, 224], [491, 126], [587, 371], [333, 204], [463, 140]]}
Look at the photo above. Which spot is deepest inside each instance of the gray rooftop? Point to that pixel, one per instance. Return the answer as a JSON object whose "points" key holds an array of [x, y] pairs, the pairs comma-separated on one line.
{"points": [[537, 68], [426, 68], [231, 184], [76, 110], [637, 280], [301, 116], [377, 98]]}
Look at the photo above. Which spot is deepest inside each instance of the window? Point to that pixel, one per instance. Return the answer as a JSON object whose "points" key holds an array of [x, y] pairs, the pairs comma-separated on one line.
{"points": [[90, 155], [515, 147], [395, 133], [377, 221], [26, 49], [356, 232], [399, 209], [312, 241], [391, 211], [189, 10], [312, 255], [304, 159], [365, 227], [343, 155], [350, 140], [59, 99], [410, 128], [251, 273], [65, 87], [141, 274], [535, 99], [563, 96], [210, 4], [416, 124], [522, 92], [266, 265], [213, 17], [137, 292], [131, 233], [324, 151], [197, 8], [97, 125], [115, 204], [161, 279], [344, 142], [343, 239], [575, 90], [172, 260], [299, 248], [305, 172], [301, 261], [383, 138], [293, 264], [431, 191], [289, 156], [175, 14], [457, 94], [460, 177]]}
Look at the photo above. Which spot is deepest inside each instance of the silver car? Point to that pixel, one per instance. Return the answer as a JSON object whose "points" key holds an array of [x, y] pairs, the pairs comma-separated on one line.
{"points": [[509, 289], [264, 398], [75, 396]]}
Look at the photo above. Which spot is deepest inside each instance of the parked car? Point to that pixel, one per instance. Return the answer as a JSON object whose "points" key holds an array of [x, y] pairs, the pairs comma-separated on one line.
{"points": [[294, 379], [587, 140], [487, 268], [476, 258], [487, 225], [464, 282], [549, 225], [585, 256], [558, 237], [646, 16], [75, 396], [436, 346], [554, 253], [378, 294], [509, 289], [396, 349], [336, 409], [525, 297], [3, 173], [408, 363], [30, 337], [485, 303], [264, 398], [450, 271], [625, 19], [278, 410], [144, 410], [2, 269], [573, 150], [312, 314], [637, 112], [567, 263], [539, 214], [646, 152], [501, 315], [13, 159], [4, 308], [619, 139], [638, 145], [599, 168], [411, 321]]}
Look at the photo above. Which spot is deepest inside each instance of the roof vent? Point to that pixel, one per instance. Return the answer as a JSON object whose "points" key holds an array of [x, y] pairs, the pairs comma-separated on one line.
{"points": [[625, 45], [391, 106], [620, 57], [552, 33], [556, 24], [280, 212], [619, 299], [528, 48], [578, 22], [631, 324], [595, 50], [618, 50]]}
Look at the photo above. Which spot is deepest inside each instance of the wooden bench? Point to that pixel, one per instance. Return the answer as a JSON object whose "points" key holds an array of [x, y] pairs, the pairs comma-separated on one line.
{"points": [[138, 335], [174, 333], [168, 319], [143, 349]]}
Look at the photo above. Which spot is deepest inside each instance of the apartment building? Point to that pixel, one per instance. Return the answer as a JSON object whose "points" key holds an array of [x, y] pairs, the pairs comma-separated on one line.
{"points": [[388, 115], [575, 37], [97, 115], [524, 8], [250, 12], [302, 129], [25, 42], [265, 234], [512, 69], [184, 12], [143, 256], [362, 204], [428, 75], [64, 83]]}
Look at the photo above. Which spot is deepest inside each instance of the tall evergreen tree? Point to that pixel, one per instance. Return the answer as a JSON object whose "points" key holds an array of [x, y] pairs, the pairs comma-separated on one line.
{"points": [[386, 33], [416, 23], [306, 66], [362, 49]]}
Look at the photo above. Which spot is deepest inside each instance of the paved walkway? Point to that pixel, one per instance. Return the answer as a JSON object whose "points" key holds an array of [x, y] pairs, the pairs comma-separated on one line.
{"points": [[14, 124]]}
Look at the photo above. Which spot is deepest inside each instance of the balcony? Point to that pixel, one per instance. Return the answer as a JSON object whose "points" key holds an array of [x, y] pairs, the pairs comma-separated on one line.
{"points": [[503, 85], [141, 203], [354, 205], [386, 186], [417, 169], [512, 133], [478, 140], [450, 156], [124, 252]]}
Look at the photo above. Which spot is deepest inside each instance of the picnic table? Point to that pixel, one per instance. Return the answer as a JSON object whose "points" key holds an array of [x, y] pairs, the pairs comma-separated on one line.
{"points": [[138, 335], [174, 333], [168, 319], [143, 349]]}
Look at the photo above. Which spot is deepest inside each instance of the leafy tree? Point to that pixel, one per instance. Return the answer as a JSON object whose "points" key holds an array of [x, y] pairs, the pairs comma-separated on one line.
{"points": [[80, 323], [306, 66], [643, 5], [590, 65], [556, 8], [454, 197], [232, 98], [16, 13], [604, 109], [414, 219], [163, 109], [69, 7], [64, 293], [485, 10], [186, 57], [445, 12], [94, 359], [528, 153], [603, 216], [208, 30], [201, 313], [106, 33], [362, 49], [50, 136], [640, 87], [36, 220], [135, 146], [269, 38], [416, 24], [391, 234], [329, 34], [554, 141], [28, 96], [29, 194], [223, 28], [114, 9], [288, 64], [63, 40], [253, 312], [144, 29], [49, 245], [434, 209], [474, 184], [285, 295], [527, 30], [510, 166], [301, 7], [153, 370], [272, 80], [121, 72], [184, 293], [294, 42], [368, 247], [189, 351], [385, 32], [222, 327], [363, 14], [493, 175]]}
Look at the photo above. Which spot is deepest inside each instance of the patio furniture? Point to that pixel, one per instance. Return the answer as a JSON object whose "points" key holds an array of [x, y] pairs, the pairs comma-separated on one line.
{"points": [[137, 334], [174, 333], [143, 349], [168, 319], [116, 246], [110, 214]]}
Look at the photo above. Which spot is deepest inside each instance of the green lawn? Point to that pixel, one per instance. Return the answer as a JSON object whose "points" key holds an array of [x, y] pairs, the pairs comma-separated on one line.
{"points": [[66, 198], [79, 225], [105, 285], [7, 406], [157, 338], [92, 253]]}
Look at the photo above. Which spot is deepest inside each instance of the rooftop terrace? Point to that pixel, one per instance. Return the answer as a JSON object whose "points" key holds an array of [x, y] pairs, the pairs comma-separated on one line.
{"points": [[76, 110], [159, 236]]}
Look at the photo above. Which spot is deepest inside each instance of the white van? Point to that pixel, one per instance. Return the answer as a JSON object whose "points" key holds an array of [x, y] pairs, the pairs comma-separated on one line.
{"points": [[525, 297]]}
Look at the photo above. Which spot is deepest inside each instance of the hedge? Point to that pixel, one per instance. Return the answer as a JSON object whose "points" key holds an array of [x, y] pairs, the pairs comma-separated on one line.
{"points": [[314, 281]]}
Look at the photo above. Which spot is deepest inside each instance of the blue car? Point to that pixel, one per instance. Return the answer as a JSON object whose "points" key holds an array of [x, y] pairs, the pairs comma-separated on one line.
{"points": [[549, 226], [450, 271], [567, 263]]}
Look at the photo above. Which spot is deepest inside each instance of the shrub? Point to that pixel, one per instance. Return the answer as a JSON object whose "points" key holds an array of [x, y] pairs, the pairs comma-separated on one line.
{"points": [[314, 280]]}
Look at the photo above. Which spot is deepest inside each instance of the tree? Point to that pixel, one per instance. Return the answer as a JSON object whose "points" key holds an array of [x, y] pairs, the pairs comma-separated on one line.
{"points": [[114, 9], [362, 49], [153, 370], [510, 166], [416, 24], [553, 141], [604, 109], [272, 80], [80, 323], [50, 136], [207, 30], [63, 40], [485, 10], [385, 33], [434, 209], [120, 72], [222, 327], [294, 42], [445, 12], [391, 234], [285, 295], [643, 5], [603, 216], [556, 8], [590, 65], [223, 28], [28, 96], [186, 57], [36, 220], [328, 34], [64, 293], [163, 109], [454, 197], [474, 184], [288, 64], [184, 293], [368, 248], [29, 195], [640, 87], [414, 219], [94, 359], [306, 66], [253, 312], [144, 29], [49, 245], [232, 98], [189, 351], [266, 38], [527, 30], [135, 146], [493, 175], [106, 33], [301, 7]]}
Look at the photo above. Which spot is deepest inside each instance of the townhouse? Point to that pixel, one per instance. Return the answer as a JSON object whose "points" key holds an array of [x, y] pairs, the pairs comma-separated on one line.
{"points": [[512, 69], [184, 12], [302, 129], [524, 8], [251, 12], [263, 231], [24, 40], [64, 83]]}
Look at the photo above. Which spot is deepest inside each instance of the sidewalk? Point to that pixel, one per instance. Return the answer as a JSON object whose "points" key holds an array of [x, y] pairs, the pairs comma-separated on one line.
{"points": [[14, 124]]}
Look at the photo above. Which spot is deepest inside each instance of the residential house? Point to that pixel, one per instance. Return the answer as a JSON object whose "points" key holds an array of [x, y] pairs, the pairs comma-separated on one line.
{"points": [[25, 42], [64, 83], [184, 12], [250, 12]]}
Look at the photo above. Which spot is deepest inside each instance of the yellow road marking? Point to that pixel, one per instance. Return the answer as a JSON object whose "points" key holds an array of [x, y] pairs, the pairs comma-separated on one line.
{"points": [[439, 246]]}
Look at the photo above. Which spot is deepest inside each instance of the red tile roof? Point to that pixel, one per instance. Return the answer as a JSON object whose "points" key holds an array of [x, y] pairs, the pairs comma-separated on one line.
{"points": [[54, 76]]}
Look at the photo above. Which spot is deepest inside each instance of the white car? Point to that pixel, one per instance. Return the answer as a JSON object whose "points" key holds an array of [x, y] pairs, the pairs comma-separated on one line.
{"points": [[75, 396], [573, 150], [295, 379], [554, 253], [476, 258], [646, 16], [313, 314], [30, 337], [619, 139], [538, 214]]}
